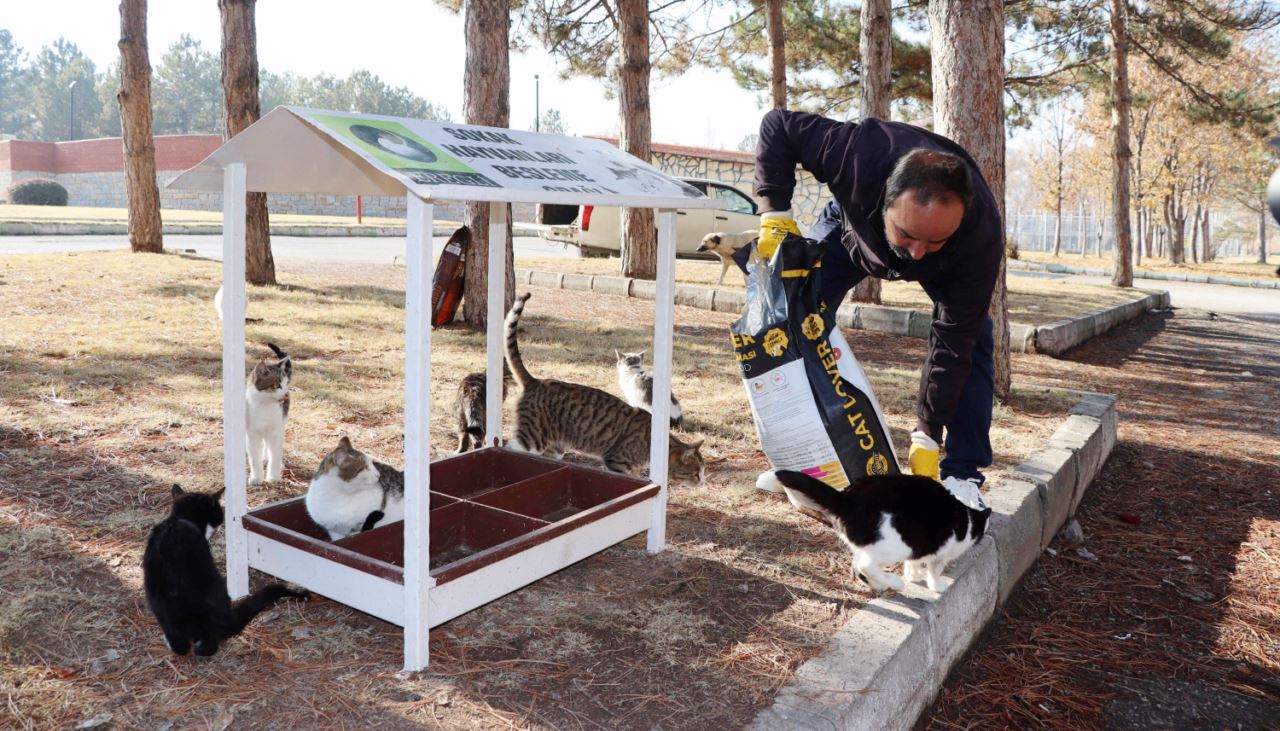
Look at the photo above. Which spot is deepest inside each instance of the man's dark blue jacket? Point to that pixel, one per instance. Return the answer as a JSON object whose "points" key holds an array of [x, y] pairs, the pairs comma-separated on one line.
{"points": [[854, 160]]}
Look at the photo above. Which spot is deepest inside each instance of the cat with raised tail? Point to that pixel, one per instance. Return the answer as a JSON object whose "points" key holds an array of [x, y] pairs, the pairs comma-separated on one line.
{"points": [[886, 519], [350, 492], [469, 407], [637, 385], [267, 409], [184, 590], [553, 417]]}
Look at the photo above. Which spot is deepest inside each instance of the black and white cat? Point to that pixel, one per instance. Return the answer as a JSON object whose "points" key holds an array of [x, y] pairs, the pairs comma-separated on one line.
{"points": [[186, 593], [266, 411], [886, 519], [350, 493], [637, 385]]}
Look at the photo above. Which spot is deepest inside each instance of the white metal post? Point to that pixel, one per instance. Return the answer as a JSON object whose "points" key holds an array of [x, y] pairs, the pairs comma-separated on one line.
{"points": [[417, 430], [496, 315], [234, 187], [663, 332]]}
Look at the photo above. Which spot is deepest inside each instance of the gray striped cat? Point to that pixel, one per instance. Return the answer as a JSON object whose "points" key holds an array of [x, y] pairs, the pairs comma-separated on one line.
{"points": [[553, 417]]}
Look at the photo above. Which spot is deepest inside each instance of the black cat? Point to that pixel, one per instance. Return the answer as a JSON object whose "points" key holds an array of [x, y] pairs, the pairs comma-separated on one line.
{"points": [[184, 589]]}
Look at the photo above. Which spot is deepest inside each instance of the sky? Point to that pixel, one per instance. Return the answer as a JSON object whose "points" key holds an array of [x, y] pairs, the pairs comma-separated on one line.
{"points": [[411, 43]]}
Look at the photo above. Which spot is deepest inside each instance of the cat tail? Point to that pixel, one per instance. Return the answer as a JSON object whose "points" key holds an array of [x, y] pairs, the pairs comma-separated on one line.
{"points": [[812, 495], [522, 374], [276, 349], [243, 611]]}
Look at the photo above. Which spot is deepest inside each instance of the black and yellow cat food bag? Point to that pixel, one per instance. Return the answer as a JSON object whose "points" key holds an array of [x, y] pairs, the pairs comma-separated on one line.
{"points": [[812, 403]]}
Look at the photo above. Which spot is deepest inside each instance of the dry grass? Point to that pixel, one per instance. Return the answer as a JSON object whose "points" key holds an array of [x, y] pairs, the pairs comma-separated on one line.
{"points": [[1220, 267], [110, 365], [1032, 301]]}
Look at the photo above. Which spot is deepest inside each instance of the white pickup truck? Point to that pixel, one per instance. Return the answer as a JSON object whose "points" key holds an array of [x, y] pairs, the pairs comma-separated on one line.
{"points": [[596, 230]]}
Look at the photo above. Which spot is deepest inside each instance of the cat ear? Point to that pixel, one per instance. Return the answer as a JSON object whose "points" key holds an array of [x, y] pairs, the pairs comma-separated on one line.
{"points": [[176, 490], [696, 444], [344, 443], [640, 355], [616, 354], [218, 495]]}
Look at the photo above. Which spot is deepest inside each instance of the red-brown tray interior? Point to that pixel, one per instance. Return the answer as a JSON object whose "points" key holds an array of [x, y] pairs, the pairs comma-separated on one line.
{"points": [[485, 505]]}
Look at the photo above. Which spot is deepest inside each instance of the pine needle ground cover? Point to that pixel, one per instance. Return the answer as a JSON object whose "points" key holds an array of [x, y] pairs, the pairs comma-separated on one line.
{"points": [[110, 375]]}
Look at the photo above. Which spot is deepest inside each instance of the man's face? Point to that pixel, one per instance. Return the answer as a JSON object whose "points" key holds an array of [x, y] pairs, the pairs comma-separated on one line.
{"points": [[915, 231]]}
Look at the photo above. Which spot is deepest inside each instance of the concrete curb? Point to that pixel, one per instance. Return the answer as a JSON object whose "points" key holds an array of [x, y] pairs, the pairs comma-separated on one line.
{"points": [[886, 665], [1058, 337], [65, 228], [1052, 339], [1147, 274]]}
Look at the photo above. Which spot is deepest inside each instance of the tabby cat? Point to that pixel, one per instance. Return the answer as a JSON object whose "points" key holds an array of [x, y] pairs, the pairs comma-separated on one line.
{"points": [[555, 416], [470, 405], [267, 409], [184, 590], [350, 493]]}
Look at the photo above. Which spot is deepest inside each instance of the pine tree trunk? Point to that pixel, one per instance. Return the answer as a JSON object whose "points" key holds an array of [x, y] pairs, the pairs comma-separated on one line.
{"points": [[1262, 235], [486, 95], [639, 239], [1121, 108], [146, 233], [968, 106], [875, 46], [240, 91], [777, 54]]}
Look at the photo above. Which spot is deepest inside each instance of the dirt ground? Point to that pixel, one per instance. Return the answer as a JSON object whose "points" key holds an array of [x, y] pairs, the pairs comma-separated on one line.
{"points": [[109, 371], [1169, 617]]}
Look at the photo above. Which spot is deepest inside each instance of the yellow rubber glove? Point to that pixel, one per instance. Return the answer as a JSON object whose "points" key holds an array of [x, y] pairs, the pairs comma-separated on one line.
{"points": [[774, 227], [923, 458]]}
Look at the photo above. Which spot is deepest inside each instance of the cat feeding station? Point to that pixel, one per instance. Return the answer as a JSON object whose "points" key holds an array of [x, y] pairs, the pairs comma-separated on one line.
{"points": [[477, 525]]}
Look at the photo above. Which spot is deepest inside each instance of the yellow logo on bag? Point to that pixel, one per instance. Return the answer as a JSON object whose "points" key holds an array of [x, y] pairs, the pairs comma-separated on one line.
{"points": [[775, 342], [877, 465], [812, 326]]}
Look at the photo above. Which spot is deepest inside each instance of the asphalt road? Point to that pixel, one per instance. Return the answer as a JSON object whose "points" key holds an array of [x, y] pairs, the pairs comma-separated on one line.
{"points": [[1263, 304], [371, 249]]}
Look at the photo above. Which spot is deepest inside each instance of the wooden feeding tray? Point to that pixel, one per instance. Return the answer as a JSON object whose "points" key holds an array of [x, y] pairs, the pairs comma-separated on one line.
{"points": [[478, 525], [499, 520]]}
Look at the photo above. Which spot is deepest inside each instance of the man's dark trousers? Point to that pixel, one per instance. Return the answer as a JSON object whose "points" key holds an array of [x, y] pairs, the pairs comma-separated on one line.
{"points": [[968, 439]]}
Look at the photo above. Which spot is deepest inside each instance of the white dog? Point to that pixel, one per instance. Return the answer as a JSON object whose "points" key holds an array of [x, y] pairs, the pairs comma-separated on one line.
{"points": [[724, 244]]}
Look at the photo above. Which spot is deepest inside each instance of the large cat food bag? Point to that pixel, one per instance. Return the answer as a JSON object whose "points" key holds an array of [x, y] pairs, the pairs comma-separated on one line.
{"points": [[813, 406]]}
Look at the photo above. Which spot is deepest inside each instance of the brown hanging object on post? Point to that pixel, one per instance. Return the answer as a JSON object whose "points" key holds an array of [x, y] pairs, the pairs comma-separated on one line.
{"points": [[447, 283]]}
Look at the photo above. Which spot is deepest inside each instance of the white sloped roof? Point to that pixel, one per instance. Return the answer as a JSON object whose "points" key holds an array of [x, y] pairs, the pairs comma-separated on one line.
{"points": [[297, 150]]}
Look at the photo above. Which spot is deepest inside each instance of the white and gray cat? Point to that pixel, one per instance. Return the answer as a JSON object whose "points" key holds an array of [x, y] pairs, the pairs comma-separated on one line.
{"points": [[267, 409], [350, 492], [637, 385], [886, 519]]}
